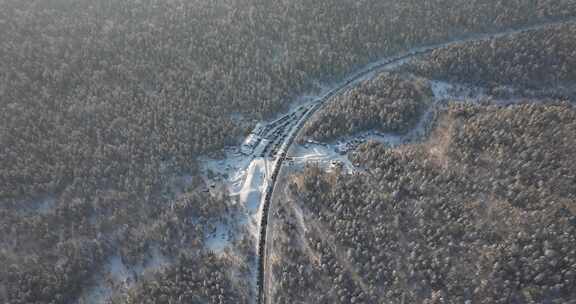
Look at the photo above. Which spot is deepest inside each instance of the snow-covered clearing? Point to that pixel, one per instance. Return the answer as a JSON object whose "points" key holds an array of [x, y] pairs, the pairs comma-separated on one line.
{"points": [[254, 184], [444, 91], [44, 205], [245, 179], [457, 92], [220, 238], [229, 171], [245, 176], [325, 156], [349, 143]]}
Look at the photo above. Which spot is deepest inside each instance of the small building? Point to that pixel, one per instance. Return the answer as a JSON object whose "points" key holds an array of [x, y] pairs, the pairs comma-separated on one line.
{"points": [[261, 147], [253, 139], [259, 130]]}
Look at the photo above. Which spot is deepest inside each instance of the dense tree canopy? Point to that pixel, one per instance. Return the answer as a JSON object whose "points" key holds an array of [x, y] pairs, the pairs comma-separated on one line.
{"points": [[387, 103], [536, 60], [483, 212]]}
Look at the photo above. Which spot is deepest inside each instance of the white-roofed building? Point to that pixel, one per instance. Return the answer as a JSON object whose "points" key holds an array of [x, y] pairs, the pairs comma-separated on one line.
{"points": [[252, 140]]}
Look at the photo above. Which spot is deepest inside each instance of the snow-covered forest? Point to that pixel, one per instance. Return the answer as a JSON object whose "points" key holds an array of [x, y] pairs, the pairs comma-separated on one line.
{"points": [[108, 109]]}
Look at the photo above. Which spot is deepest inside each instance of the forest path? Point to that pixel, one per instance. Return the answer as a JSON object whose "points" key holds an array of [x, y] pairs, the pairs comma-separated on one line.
{"points": [[264, 278]]}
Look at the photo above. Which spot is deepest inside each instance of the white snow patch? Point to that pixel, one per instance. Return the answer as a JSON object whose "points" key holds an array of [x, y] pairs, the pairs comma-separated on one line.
{"points": [[464, 93], [349, 143], [254, 185], [118, 270], [219, 238], [97, 294], [324, 156], [443, 90], [38, 206], [45, 205], [181, 184], [230, 171]]}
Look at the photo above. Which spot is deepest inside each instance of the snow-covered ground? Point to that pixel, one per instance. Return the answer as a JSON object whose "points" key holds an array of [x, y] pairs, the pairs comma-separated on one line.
{"points": [[254, 184], [325, 156], [443, 91], [38, 206], [97, 295], [220, 238], [119, 277], [245, 179], [457, 92], [230, 171], [45, 205], [349, 143]]}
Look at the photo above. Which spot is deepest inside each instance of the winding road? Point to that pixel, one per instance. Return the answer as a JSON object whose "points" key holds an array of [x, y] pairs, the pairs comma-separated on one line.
{"points": [[264, 277]]}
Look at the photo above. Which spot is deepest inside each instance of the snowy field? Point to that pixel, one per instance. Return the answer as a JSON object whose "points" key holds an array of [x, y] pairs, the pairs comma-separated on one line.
{"points": [[324, 156]]}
